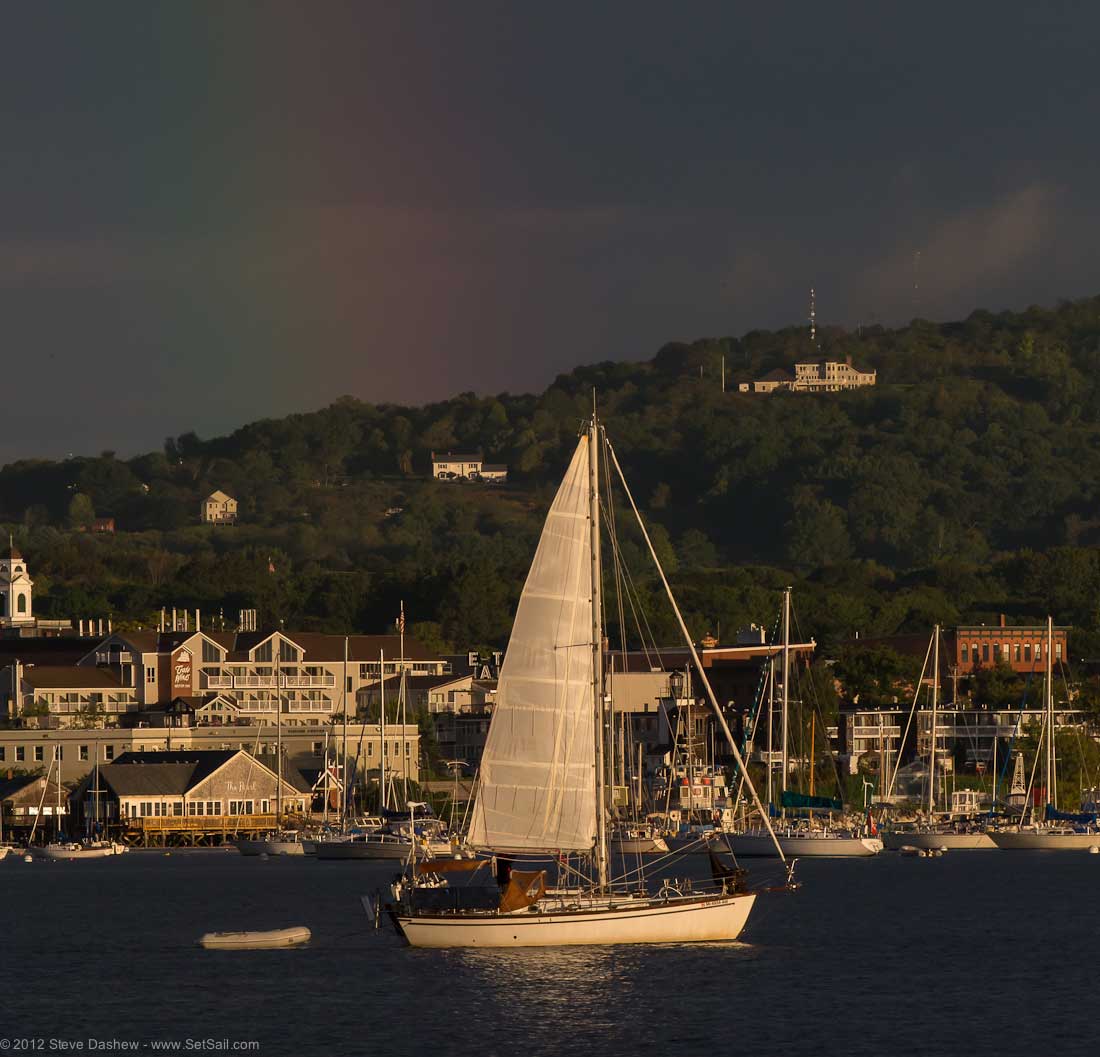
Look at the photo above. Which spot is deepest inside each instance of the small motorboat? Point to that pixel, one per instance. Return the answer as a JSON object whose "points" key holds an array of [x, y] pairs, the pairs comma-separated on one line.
{"points": [[255, 941]]}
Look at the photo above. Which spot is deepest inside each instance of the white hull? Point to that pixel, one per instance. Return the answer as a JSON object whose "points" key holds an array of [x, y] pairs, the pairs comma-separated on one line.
{"points": [[1032, 840], [270, 847], [750, 845], [935, 841], [76, 851], [252, 941], [690, 920], [638, 846]]}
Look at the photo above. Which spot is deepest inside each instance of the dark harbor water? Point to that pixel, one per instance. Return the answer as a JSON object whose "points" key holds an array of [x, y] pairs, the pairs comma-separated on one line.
{"points": [[975, 953]]}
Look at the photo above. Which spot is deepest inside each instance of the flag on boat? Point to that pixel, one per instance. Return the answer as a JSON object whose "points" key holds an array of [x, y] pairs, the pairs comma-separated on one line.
{"points": [[872, 827]]}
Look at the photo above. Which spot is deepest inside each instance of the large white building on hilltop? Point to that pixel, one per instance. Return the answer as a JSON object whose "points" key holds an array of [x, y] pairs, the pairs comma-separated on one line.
{"points": [[828, 376]]}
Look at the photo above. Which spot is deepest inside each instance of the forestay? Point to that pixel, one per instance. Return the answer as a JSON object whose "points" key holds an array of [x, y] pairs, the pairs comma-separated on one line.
{"points": [[537, 790]]}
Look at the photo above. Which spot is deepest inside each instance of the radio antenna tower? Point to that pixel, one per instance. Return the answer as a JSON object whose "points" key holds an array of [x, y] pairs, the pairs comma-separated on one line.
{"points": [[813, 319]]}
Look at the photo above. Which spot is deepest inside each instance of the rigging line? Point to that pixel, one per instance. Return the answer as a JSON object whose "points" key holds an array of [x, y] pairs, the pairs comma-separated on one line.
{"points": [[815, 704], [1034, 767], [698, 663], [909, 722], [612, 531], [632, 594], [1012, 740]]}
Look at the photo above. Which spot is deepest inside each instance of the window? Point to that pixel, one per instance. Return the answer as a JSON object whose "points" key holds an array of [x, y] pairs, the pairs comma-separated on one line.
{"points": [[1058, 650], [1016, 654], [210, 653], [966, 653], [177, 808], [109, 752], [349, 687], [265, 807], [20, 753], [213, 807], [83, 752], [1038, 651], [150, 676], [370, 749], [1027, 652], [146, 807], [318, 748], [21, 604], [39, 755], [408, 748], [985, 651], [263, 653], [288, 651]]}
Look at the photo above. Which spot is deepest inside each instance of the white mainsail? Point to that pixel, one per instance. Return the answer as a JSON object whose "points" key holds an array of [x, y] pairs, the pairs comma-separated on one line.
{"points": [[538, 786]]}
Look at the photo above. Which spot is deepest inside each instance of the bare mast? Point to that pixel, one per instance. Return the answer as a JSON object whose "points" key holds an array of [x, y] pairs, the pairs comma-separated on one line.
{"points": [[935, 709], [597, 650], [785, 776]]}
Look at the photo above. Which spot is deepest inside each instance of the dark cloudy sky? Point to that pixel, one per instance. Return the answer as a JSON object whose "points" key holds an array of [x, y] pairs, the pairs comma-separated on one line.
{"points": [[214, 212]]}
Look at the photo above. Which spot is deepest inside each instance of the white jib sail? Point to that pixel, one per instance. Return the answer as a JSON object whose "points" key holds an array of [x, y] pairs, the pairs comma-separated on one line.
{"points": [[537, 789]]}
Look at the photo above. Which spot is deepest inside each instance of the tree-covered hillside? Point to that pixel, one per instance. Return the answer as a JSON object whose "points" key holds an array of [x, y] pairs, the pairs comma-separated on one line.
{"points": [[964, 484]]}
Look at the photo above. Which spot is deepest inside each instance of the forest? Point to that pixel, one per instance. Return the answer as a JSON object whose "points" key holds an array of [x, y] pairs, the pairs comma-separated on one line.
{"points": [[962, 486]]}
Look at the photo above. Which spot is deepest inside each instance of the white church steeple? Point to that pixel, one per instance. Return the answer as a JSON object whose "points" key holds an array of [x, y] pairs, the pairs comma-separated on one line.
{"points": [[16, 588]]}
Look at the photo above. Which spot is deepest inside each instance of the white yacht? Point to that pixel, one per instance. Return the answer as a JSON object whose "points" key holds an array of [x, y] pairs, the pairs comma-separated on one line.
{"points": [[537, 808]]}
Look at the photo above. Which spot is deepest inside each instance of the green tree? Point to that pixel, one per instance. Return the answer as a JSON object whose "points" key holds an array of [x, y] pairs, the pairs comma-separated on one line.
{"points": [[81, 511]]}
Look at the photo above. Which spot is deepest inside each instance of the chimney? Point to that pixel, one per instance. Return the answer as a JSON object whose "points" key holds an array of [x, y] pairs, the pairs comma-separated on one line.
{"points": [[1002, 620], [197, 627], [173, 618]]}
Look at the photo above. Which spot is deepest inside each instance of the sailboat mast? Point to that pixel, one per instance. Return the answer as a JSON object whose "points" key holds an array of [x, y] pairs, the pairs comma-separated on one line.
{"points": [[771, 712], [344, 748], [1052, 759], [597, 650], [935, 706], [382, 724], [783, 778], [404, 716]]}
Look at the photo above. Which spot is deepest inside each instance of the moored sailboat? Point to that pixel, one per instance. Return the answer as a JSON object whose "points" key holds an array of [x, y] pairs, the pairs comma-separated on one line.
{"points": [[543, 791], [1055, 830], [932, 834], [802, 838]]}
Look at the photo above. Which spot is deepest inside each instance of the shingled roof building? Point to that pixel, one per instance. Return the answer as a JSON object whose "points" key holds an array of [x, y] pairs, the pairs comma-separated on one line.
{"points": [[151, 794]]}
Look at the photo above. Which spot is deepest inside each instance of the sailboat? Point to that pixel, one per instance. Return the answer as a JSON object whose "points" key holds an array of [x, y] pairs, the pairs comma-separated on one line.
{"points": [[799, 840], [543, 794], [60, 848], [1056, 830], [931, 834]]}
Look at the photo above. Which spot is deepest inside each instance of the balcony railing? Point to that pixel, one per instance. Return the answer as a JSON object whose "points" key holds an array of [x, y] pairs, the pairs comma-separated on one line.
{"points": [[272, 682]]}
